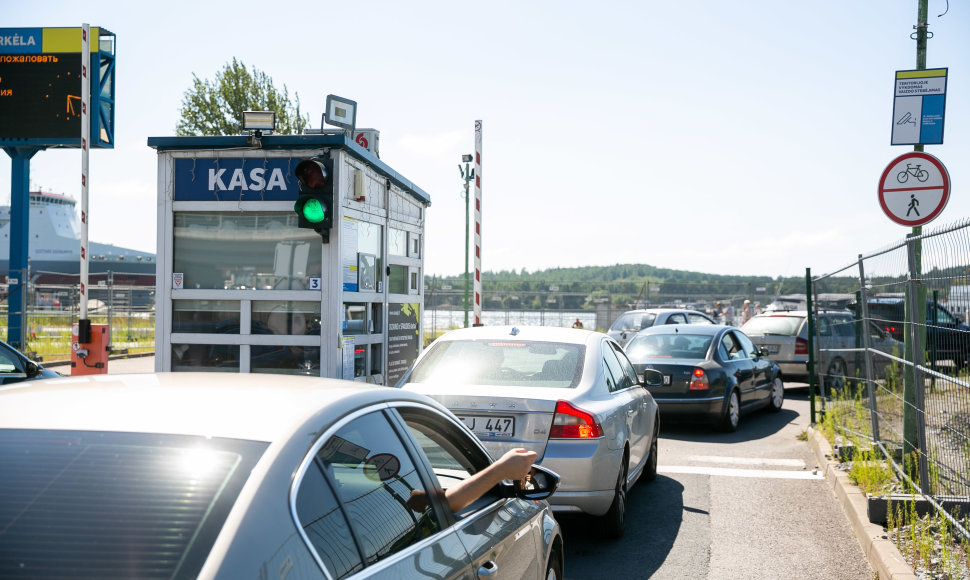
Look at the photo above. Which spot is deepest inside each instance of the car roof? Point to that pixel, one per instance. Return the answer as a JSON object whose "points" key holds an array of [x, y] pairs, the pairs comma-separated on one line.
{"points": [[702, 329], [258, 407], [537, 333], [659, 310]]}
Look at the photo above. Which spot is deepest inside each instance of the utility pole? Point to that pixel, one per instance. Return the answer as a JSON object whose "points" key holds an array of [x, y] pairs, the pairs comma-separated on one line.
{"points": [[915, 316]]}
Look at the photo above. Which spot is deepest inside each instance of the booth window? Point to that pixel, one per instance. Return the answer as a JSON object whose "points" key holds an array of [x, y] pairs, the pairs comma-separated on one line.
{"points": [[285, 317], [285, 360], [250, 250], [397, 242], [205, 357], [205, 316]]}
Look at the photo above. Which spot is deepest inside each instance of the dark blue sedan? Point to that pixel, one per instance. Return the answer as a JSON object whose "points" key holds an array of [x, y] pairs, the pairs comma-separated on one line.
{"points": [[710, 371]]}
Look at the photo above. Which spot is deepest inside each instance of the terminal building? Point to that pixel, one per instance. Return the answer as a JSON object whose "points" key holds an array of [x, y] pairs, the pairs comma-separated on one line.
{"points": [[241, 286]]}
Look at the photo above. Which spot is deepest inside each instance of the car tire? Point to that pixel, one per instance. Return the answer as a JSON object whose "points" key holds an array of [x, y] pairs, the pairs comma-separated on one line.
{"points": [[613, 522], [650, 471], [835, 376], [554, 567], [732, 413], [777, 394]]}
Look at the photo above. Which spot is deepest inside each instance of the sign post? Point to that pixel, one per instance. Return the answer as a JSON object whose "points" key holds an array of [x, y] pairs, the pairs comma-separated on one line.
{"points": [[914, 188]]}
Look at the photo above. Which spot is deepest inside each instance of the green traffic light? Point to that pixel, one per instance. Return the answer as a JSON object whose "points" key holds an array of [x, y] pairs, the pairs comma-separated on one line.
{"points": [[314, 211]]}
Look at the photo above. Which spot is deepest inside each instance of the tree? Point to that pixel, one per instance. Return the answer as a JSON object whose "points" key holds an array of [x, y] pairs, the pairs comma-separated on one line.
{"points": [[216, 107]]}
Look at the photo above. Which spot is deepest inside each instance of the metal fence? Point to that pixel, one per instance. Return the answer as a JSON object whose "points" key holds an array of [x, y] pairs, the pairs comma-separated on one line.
{"points": [[916, 397], [51, 310]]}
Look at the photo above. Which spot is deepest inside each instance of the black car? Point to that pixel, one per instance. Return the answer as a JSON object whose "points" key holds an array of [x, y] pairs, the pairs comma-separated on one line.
{"points": [[946, 335], [711, 371], [16, 367]]}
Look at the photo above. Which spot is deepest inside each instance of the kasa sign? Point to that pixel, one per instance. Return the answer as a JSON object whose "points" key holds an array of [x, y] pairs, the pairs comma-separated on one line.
{"points": [[238, 179]]}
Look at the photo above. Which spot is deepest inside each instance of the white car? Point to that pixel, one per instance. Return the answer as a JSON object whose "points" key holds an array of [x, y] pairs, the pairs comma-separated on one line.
{"points": [[630, 323], [229, 475], [570, 395]]}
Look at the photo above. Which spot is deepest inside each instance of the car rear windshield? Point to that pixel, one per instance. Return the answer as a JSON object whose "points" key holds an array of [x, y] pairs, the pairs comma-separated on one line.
{"points": [[634, 322], [693, 346], [85, 504], [502, 362], [778, 324]]}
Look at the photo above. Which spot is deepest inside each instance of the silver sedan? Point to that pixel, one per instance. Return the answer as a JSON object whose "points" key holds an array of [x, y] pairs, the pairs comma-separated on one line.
{"points": [[232, 475], [570, 395]]}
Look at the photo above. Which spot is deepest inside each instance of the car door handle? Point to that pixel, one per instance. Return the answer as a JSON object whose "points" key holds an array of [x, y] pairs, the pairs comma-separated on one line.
{"points": [[487, 569]]}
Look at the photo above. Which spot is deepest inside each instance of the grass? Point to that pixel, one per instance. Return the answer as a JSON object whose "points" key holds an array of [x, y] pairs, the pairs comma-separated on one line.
{"points": [[49, 336]]}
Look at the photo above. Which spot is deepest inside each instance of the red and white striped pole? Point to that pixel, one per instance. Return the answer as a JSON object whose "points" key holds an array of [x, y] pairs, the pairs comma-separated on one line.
{"points": [[478, 223], [85, 135]]}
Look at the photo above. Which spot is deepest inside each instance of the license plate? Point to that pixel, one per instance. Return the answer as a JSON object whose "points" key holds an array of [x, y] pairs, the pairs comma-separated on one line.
{"points": [[490, 426], [667, 379], [771, 348]]}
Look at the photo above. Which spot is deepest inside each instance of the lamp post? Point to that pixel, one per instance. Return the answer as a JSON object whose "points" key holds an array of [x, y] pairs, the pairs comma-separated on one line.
{"points": [[467, 175]]}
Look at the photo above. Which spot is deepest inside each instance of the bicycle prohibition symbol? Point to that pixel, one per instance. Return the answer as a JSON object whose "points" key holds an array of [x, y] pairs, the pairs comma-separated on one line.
{"points": [[920, 174]]}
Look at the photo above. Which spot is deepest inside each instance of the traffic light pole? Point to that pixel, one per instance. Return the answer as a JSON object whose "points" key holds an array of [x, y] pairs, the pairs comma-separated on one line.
{"points": [[467, 177]]}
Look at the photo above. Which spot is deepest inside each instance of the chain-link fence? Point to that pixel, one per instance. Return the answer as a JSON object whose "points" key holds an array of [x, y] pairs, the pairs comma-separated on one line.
{"points": [[916, 395], [50, 310]]}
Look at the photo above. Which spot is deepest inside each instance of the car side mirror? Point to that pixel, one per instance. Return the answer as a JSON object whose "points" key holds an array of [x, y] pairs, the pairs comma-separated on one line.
{"points": [[31, 369], [542, 483], [652, 378]]}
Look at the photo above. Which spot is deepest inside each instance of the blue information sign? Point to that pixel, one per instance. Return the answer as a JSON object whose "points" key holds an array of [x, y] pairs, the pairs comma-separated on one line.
{"points": [[918, 107]]}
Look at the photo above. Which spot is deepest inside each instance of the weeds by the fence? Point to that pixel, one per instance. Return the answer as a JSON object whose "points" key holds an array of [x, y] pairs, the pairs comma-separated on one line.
{"points": [[928, 543]]}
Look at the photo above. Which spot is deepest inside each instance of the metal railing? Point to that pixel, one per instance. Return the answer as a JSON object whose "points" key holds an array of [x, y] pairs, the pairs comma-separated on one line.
{"points": [[917, 394], [51, 310]]}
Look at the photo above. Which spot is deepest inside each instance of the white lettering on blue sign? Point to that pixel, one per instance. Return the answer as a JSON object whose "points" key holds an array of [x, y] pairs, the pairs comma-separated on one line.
{"points": [[238, 180], [17, 40]]}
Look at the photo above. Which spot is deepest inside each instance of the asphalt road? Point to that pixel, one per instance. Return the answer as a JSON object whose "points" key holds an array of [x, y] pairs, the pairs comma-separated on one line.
{"points": [[740, 505]]}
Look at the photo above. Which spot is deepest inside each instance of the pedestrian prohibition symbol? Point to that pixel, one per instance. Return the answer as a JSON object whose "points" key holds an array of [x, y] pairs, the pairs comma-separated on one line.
{"points": [[914, 188]]}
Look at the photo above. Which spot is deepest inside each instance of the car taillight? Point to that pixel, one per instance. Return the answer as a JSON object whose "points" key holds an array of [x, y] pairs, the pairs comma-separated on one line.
{"points": [[570, 422], [801, 346], [699, 381]]}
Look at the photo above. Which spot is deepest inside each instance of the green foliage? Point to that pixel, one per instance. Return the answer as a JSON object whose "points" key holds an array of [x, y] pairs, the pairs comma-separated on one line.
{"points": [[216, 107]]}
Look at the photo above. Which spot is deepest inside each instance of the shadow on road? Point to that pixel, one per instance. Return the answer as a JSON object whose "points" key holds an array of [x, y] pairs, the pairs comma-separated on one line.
{"points": [[756, 425], [654, 514]]}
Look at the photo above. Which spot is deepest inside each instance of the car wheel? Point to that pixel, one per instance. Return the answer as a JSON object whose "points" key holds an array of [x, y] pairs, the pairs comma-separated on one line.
{"points": [[554, 568], [732, 413], [835, 376], [614, 521], [777, 394], [650, 471]]}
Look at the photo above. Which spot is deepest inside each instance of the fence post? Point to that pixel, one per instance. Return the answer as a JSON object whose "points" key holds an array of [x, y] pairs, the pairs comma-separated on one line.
{"points": [[914, 420], [867, 353], [810, 314]]}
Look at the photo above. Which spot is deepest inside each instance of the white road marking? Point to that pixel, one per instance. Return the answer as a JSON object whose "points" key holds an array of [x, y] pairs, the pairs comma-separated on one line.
{"points": [[748, 460], [730, 472]]}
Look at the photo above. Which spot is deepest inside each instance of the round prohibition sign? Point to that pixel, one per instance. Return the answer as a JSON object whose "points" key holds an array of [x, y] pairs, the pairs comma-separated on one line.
{"points": [[914, 189]]}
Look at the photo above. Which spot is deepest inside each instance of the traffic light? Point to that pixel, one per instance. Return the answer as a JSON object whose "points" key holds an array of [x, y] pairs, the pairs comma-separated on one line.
{"points": [[314, 207]]}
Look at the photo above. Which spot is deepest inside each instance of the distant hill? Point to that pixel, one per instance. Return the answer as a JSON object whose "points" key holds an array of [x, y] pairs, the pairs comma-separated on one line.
{"points": [[620, 284]]}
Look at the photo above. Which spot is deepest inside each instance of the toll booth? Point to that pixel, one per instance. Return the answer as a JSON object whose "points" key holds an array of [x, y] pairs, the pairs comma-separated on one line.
{"points": [[241, 287]]}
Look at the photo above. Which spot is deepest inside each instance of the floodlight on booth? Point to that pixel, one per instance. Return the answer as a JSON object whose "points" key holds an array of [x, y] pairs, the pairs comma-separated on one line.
{"points": [[341, 112], [259, 120]]}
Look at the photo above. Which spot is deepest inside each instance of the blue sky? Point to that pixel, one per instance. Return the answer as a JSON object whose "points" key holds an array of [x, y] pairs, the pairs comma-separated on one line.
{"points": [[725, 137]]}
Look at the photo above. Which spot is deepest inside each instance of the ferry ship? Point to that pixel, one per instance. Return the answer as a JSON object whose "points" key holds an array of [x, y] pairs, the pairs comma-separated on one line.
{"points": [[54, 249]]}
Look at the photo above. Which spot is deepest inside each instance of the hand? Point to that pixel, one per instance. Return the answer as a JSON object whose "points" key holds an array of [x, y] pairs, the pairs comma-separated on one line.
{"points": [[516, 464]]}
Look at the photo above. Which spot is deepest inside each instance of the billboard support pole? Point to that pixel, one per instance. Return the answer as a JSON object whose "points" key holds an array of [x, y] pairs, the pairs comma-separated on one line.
{"points": [[19, 236]]}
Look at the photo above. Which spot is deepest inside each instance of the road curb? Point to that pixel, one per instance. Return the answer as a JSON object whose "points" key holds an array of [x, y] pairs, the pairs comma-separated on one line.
{"points": [[883, 555]]}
